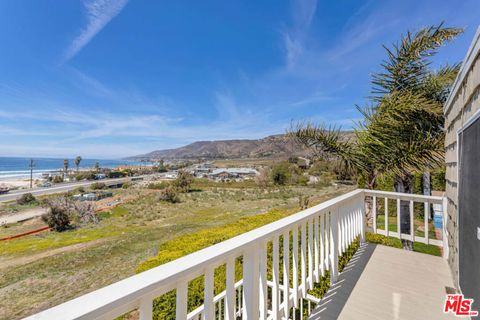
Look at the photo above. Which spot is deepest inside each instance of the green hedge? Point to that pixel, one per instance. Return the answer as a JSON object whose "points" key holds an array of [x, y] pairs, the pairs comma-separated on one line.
{"points": [[164, 306]]}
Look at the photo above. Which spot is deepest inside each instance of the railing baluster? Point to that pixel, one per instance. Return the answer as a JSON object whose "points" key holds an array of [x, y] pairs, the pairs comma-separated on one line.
{"points": [[412, 216], [250, 283], [322, 244], [146, 308], [310, 254], [275, 274], [316, 253], [209, 306], [327, 240], [181, 300], [363, 219], [263, 281], [333, 245], [295, 265], [220, 309], [230, 290], [374, 210], [286, 274], [386, 217], [426, 214], [303, 254], [399, 229], [341, 230]]}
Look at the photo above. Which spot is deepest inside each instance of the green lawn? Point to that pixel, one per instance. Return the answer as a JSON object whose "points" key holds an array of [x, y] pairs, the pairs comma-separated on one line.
{"points": [[419, 225]]}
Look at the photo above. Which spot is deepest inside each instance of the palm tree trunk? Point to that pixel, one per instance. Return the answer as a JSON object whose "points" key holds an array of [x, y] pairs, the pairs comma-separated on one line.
{"points": [[404, 184]]}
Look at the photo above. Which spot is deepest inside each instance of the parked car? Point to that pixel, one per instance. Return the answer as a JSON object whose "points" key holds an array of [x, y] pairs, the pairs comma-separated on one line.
{"points": [[46, 185]]}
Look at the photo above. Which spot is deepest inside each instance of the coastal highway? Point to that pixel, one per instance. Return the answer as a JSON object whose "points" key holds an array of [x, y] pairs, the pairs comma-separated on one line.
{"points": [[58, 188]]}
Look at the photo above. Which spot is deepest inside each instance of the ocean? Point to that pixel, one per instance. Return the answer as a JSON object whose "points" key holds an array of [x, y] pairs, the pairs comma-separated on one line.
{"points": [[17, 168]]}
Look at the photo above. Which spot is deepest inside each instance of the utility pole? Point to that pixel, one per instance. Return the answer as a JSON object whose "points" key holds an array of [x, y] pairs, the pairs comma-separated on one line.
{"points": [[31, 166]]}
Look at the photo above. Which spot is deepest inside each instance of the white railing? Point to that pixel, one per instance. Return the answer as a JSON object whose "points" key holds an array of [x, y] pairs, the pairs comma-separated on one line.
{"points": [[303, 247], [428, 203]]}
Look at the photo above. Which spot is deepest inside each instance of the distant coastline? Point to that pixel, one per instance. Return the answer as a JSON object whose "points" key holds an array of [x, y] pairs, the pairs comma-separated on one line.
{"points": [[18, 167]]}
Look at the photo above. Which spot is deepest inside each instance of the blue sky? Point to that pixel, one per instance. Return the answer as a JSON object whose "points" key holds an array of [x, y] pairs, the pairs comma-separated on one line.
{"points": [[107, 79]]}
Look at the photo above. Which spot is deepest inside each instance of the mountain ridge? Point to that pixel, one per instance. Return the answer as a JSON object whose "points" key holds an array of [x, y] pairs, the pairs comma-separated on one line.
{"points": [[274, 146]]}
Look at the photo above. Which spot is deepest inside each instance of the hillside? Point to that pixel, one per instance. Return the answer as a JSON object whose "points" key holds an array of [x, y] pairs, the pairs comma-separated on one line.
{"points": [[276, 146]]}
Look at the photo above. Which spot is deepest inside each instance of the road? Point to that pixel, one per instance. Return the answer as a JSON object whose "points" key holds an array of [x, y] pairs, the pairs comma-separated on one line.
{"points": [[64, 187]]}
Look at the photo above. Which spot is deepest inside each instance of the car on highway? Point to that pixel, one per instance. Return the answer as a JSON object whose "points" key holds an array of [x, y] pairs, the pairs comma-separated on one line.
{"points": [[4, 189], [46, 185]]}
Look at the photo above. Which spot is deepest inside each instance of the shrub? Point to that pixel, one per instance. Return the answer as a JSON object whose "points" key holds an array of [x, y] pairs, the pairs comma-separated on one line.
{"points": [[85, 175], [98, 186], [183, 182], [57, 179], [26, 198], [116, 174], [263, 178], [164, 306], [126, 185], [438, 179], [169, 194], [159, 185], [281, 173], [302, 180], [58, 214]]}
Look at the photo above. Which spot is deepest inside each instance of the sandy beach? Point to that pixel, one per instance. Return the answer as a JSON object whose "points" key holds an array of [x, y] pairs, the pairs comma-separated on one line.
{"points": [[20, 183]]}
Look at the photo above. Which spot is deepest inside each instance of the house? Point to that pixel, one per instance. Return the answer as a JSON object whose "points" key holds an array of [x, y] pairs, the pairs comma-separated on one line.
{"points": [[233, 173]]}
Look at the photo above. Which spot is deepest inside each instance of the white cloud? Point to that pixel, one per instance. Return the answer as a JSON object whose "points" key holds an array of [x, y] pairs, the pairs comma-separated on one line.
{"points": [[294, 39], [99, 14]]}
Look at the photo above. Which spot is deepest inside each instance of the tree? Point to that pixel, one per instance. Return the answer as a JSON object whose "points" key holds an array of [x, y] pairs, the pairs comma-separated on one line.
{"points": [[78, 159], [97, 166], [281, 173], [402, 131], [26, 198], [183, 182]]}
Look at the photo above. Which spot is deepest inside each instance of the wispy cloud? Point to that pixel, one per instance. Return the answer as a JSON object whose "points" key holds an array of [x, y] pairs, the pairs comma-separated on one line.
{"points": [[294, 39], [99, 14]]}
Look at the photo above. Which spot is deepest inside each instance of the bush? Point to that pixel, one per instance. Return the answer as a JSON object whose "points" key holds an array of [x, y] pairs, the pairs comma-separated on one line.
{"points": [[169, 194], [164, 306], [126, 185], [58, 215], [263, 178], [438, 179], [281, 173], [26, 198], [183, 182], [159, 185], [98, 186], [86, 175], [57, 179], [116, 174]]}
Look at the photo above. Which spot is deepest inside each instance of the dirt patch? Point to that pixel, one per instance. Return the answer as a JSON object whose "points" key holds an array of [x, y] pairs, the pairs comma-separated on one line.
{"points": [[11, 262]]}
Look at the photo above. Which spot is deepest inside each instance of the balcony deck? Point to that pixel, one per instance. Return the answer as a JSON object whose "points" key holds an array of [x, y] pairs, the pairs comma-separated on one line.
{"points": [[388, 283]]}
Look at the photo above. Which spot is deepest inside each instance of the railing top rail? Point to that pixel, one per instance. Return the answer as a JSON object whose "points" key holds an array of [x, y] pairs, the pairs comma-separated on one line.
{"points": [[404, 196], [101, 301], [156, 281]]}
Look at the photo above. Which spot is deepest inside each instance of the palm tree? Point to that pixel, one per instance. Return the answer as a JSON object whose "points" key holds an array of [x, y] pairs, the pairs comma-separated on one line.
{"points": [[78, 159], [402, 131]]}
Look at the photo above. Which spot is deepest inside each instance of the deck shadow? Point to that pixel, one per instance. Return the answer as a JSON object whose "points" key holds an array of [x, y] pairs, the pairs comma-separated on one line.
{"points": [[336, 297]]}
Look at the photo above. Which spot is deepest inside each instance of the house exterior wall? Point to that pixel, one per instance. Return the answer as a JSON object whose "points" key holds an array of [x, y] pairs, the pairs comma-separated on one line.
{"points": [[461, 106]]}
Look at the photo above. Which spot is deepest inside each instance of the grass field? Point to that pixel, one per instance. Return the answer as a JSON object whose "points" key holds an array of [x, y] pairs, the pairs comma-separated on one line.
{"points": [[43, 270]]}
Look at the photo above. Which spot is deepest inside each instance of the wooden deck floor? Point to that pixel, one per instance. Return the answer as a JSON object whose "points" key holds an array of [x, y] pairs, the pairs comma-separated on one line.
{"points": [[388, 283]]}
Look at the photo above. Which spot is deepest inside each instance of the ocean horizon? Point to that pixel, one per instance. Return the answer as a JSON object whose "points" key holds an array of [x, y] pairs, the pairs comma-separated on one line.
{"points": [[18, 167]]}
